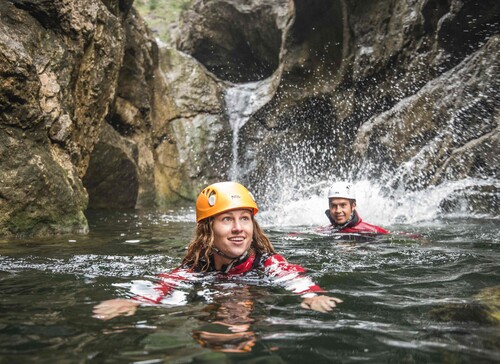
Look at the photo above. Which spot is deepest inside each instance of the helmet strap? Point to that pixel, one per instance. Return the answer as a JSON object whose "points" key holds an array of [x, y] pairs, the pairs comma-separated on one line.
{"points": [[234, 260], [352, 218]]}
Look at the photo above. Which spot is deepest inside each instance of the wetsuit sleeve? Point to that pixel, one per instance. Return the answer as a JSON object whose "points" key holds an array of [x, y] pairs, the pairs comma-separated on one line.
{"points": [[165, 286], [364, 228], [381, 230], [291, 276]]}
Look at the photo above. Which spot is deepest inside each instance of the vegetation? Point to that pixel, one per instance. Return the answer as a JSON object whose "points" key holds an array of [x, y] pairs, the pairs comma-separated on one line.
{"points": [[161, 15]]}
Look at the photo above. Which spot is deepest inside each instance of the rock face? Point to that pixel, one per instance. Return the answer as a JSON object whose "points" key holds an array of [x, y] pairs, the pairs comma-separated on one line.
{"points": [[94, 114], [364, 88], [389, 53], [56, 61], [112, 179], [239, 41], [367, 88], [448, 130], [191, 140]]}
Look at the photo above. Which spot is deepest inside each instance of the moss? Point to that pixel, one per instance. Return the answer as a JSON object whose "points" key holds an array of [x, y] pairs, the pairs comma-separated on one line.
{"points": [[485, 309], [26, 224], [490, 299]]}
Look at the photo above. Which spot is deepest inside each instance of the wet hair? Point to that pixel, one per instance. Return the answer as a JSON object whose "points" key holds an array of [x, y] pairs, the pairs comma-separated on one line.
{"points": [[200, 247]]}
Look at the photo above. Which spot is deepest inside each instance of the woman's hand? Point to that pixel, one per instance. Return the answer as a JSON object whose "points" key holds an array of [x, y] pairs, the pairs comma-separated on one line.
{"points": [[106, 310], [320, 303]]}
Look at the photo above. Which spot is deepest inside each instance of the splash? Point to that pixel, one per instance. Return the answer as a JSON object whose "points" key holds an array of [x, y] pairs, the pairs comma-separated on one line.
{"points": [[377, 203]]}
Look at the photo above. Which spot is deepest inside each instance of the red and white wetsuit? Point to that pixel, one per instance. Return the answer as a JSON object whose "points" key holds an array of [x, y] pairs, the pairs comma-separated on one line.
{"points": [[274, 266]]}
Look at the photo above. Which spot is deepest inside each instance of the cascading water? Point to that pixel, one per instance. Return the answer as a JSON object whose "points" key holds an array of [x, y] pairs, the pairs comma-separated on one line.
{"points": [[377, 204], [408, 191], [300, 199], [242, 101]]}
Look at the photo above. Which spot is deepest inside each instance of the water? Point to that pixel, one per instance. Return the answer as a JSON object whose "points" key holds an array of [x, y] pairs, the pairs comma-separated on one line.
{"points": [[405, 299], [242, 101]]}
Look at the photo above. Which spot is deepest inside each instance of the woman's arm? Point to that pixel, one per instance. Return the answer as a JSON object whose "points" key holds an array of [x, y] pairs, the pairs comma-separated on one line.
{"points": [[164, 287], [293, 278]]}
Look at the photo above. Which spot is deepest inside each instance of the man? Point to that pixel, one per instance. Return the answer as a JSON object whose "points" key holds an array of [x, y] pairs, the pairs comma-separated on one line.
{"points": [[342, 211]]}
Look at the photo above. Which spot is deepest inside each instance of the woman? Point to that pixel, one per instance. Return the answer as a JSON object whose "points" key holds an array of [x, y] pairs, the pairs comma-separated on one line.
{"points": [[228, 242]]}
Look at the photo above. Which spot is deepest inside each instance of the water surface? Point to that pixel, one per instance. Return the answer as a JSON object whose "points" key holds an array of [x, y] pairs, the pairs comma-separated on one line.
{"points": [[429, 299]]}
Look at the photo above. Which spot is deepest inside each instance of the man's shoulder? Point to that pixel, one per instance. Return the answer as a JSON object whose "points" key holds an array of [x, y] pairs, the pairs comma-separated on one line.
{"points": [[364, 227]]}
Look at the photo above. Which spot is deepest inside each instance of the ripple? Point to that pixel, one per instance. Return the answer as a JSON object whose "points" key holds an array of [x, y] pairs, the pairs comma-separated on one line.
{"points": [[91, 265]]}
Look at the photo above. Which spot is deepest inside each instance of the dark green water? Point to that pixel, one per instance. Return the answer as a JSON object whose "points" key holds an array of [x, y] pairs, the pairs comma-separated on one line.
{"points": [[405, 300]]}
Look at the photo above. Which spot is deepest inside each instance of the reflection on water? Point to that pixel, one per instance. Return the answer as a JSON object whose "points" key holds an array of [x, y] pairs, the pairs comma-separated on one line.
{"points": [[229, 322], [433, 299]]}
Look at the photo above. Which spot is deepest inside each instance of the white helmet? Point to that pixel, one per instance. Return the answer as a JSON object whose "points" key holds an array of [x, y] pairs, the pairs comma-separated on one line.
{"points": [[342, 190]]}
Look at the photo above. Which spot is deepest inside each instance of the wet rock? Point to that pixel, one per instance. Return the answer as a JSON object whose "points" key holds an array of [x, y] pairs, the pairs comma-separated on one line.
{"points": [[480, 199], [132, 110], [190, 88], [490, 298], [59, 61], [484, 309], [446, 131], [40, 192], [403, 92], [193, 147], [347, 64], [112, 178], [237, 41], [468, 312]]}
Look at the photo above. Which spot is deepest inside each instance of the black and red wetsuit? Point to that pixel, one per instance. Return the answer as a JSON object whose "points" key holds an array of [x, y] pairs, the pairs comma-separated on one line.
{"points": [[274, 266], [354, 225]]}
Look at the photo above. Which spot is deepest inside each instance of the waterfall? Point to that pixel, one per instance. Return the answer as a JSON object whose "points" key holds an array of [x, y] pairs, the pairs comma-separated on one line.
{"points": [[242, 101]]}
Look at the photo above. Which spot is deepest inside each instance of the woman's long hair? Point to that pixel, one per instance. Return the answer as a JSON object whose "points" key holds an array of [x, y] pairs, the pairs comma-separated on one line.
{"points": [[200, 247]]}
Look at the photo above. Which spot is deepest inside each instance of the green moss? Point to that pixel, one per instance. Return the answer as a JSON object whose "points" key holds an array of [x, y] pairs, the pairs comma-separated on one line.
{"points": [[26, 224], [161, 14], [490, 298]]}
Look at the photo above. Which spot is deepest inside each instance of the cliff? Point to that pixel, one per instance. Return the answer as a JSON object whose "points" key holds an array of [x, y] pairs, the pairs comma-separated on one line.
{"points": [[95, 114]]}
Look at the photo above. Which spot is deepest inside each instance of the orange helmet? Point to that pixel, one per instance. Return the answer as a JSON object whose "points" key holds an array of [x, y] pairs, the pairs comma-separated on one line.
{"points": [[223, 196]]}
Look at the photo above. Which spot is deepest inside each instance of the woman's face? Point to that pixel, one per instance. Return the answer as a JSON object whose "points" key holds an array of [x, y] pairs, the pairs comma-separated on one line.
{"points": [[233, 232]]}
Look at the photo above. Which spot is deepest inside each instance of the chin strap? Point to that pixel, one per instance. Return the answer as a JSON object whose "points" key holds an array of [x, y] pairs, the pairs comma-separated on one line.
{"points": [[234, 260], [353, 219]]}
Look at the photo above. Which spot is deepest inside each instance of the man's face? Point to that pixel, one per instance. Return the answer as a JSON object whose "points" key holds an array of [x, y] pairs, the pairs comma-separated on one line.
{"points": [[341, 209]]}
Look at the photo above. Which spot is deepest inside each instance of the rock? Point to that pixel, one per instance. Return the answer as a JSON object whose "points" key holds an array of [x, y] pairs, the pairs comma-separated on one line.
{"points": [[348, 65], [402, 92], [60, 62], [40, 192], [467, 312], [112, 179], [237, 41], [192, 144], [132, 112], [447, 131], [483, 309], [480, 199]]}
